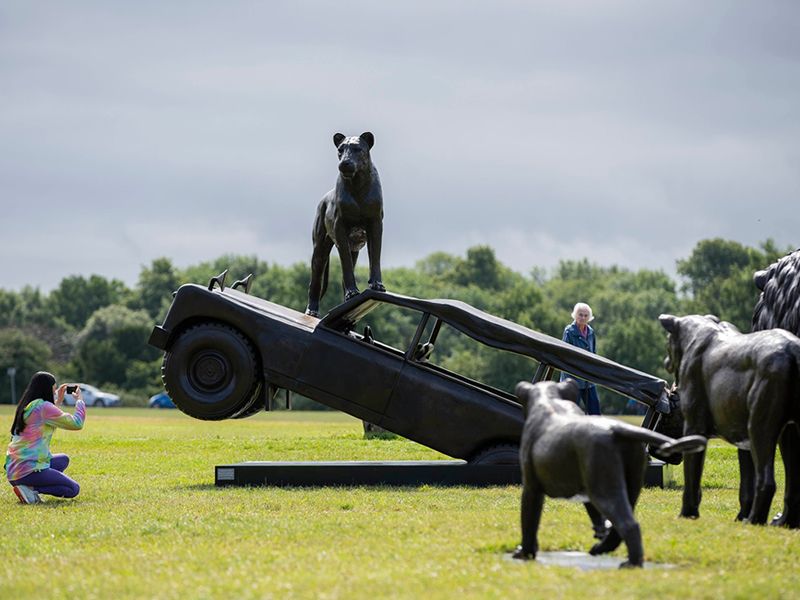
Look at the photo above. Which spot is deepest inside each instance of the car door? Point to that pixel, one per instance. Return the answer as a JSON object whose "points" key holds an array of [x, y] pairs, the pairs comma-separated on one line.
{"points": [[446, 410], [349, 372]]}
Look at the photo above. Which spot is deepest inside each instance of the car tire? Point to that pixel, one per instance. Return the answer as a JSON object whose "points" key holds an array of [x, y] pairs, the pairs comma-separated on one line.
{"points": [[255, 406], [501, 454], [211, 372], [99, 403]]}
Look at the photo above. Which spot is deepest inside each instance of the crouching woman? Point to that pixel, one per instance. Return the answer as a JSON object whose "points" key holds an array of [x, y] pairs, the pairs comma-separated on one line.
{"points": [[30, 467]]}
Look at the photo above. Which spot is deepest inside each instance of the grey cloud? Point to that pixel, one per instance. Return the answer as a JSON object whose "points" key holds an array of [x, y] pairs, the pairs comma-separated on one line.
{"points": [[549, 130]]}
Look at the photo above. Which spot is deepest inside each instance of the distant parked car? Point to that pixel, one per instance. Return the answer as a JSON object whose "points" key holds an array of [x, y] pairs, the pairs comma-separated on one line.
{"points": [[161, 400], [93, 397]]}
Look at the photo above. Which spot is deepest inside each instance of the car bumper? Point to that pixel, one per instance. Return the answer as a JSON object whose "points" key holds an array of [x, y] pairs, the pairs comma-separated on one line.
{"points": [[159, 337]]}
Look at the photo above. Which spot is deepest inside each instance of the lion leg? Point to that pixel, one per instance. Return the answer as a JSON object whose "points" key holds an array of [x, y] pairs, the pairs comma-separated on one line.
{"points": [[374, 241], [763, 429], [764, 460], [692, 492], [614, 491], [635, 461], [747, 484], [346, 258], [618, 509], [790, 452], [762, 447], [319, 265], [598, 521], [530, 517]]}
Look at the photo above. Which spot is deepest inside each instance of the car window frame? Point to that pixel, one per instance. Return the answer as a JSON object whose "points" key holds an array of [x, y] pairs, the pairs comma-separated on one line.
{"points": [[348, 331]]}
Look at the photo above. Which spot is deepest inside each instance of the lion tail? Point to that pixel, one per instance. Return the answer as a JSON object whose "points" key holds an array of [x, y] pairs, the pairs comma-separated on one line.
{"points": [[663, 444]]}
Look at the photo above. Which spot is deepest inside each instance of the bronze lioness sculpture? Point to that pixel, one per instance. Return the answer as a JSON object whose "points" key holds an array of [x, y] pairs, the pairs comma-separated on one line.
{"points": [[600, 461], [348, 216], [744, 388]]}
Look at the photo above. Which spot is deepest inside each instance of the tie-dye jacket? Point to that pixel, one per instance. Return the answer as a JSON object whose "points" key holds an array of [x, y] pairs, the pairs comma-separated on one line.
{"points": [[30, 450]]}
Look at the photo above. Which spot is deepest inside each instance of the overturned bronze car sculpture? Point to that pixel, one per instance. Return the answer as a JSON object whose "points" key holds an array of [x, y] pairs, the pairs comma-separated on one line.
{"points": [[596, 460]]}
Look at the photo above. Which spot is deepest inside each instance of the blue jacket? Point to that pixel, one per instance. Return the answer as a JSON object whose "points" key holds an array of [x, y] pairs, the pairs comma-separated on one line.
{"points": [[572, 335]]}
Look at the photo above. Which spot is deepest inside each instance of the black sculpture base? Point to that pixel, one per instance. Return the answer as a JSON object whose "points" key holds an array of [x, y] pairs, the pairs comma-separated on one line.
{"points": [[400, 473]]}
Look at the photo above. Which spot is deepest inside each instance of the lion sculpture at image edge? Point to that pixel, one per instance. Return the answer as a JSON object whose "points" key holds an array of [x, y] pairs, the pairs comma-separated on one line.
{"points": [[779, 307]]}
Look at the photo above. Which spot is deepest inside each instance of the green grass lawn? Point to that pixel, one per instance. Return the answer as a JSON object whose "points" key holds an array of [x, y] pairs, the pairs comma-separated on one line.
{"points": [[150, 523]]}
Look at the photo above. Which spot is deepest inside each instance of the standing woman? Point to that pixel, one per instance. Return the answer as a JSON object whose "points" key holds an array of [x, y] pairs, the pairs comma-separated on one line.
{"points": [[30, 467], [579, 334]]}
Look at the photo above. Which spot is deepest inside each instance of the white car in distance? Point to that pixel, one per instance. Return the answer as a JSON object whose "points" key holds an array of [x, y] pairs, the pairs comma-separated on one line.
{"points": [[93, 397]]}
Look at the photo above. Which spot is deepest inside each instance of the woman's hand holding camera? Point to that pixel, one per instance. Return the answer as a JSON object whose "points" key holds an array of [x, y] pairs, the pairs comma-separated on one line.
{"points": [[60, 394], [67, 388]]}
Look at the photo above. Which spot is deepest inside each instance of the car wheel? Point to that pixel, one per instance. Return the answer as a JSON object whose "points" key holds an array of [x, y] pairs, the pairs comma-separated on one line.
{"points": [[501, 454], [211, 372], [99, 403], [256, 405]]}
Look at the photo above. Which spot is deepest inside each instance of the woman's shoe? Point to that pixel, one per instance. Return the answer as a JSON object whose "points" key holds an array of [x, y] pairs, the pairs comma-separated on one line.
{"points": [[27, 495]]}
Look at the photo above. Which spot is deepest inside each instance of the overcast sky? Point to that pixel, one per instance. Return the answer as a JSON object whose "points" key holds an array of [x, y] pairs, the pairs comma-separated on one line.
{"points": [[621, 131]]}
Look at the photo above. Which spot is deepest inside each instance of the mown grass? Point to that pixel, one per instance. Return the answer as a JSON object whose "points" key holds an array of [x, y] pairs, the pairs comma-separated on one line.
{"points": [[150, 523]]}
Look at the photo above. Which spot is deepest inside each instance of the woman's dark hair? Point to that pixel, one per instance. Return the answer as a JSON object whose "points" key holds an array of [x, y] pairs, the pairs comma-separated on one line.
{"points": [[40, 386]]}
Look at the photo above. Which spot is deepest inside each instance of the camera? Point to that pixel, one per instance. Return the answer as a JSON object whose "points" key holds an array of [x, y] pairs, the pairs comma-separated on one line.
{"points": [[71, 389]]}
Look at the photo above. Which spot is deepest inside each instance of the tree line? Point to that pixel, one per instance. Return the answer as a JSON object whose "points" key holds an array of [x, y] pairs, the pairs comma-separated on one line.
{"points": [[95, 330]]}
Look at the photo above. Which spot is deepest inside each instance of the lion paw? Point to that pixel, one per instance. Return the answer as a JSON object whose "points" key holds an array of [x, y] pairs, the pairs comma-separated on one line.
{"points": [[520, 554], [377, 286]]}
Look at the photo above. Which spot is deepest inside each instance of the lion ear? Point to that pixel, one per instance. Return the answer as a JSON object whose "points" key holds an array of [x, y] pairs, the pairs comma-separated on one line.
{"points": [[369, 138], [569, 390], [522, 392], [669, 322], [338, 138]]}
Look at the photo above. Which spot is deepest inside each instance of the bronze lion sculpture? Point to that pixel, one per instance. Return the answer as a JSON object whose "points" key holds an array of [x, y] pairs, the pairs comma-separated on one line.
{"points": [[349, 216], [744, 388], [596, 460], [778, 306]]}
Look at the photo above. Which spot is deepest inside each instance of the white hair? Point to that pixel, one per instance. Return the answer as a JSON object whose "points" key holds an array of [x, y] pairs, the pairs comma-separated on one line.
{"points": [[584, 306]]}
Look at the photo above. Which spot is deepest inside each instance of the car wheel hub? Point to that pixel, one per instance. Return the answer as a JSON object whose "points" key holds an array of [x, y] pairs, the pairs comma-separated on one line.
{"points": [[210, 371]]}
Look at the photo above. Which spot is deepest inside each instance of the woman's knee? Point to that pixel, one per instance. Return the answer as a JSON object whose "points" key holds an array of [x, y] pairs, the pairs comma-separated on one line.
{"points": [[59, 462], [76, 489], [72, 490]]}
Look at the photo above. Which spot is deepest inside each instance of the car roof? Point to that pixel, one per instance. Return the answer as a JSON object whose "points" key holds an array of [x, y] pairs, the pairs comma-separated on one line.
{"points": [[506, 335]]}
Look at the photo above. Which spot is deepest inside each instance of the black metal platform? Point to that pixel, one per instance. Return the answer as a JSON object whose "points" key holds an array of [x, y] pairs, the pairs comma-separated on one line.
{"points": [[399, 473]]}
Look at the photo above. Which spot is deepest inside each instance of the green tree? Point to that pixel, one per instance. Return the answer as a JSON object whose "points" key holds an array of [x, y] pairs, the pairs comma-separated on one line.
{"points": [[25, 353], [482, 269], [710, 261], [76, 298], [438, 264], [10, 303], [718, 278], [112, 342], [154, 289]]}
